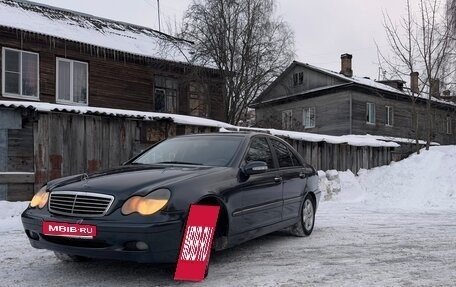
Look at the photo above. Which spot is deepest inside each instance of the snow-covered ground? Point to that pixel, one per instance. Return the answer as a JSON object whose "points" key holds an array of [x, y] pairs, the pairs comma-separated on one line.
{"points": [[390, 226]]}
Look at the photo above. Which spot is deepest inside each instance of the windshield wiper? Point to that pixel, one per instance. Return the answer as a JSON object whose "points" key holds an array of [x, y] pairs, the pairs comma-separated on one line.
{"points": [[180, 162]]}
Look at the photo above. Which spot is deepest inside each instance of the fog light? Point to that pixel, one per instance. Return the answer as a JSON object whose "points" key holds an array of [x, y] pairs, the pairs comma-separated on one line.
{"points": [[142, 245], [136, 246]]}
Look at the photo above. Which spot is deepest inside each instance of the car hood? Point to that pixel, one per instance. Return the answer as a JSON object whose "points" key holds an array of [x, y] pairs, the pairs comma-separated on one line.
{"points": [[132, 179]]}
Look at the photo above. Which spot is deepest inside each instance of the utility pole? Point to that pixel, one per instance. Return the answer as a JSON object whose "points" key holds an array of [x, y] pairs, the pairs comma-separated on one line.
{"points": [[158, 5]]}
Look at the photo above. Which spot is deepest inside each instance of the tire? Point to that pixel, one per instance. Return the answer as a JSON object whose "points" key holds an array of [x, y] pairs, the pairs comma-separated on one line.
{"points": [[70, 258], [306, 219], [206, 272]]}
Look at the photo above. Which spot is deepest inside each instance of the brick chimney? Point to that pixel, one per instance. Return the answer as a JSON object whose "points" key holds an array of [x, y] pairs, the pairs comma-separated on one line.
{"points": [[414, 82], [346, 65], [435, 88]]}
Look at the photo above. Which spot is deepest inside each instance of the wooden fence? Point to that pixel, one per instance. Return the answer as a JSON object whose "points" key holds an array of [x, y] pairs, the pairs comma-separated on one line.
{"points": [[68, 144], [49, 145], [325, 156]]}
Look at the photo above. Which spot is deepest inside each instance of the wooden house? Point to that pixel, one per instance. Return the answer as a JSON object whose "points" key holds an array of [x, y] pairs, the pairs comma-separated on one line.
{"points": [[66, 57], [311, 99]]}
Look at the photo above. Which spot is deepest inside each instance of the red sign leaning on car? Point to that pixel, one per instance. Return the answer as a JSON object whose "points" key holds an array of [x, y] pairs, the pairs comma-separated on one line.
{"points": [[196, 243]]}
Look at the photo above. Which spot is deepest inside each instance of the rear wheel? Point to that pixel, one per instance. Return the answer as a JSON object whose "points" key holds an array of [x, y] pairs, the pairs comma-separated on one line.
{"points": [[307, 218], [70, 258]]}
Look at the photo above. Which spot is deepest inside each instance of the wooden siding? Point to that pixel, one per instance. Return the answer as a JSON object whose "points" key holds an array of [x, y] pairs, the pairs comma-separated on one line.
{"points": [[344, 111], [116, 79], [326, 156], [332, 114], [402, 126], [3, 160], [311, 80]]}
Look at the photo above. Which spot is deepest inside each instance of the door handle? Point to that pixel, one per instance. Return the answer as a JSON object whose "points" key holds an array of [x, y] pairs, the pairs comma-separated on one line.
{"points": [[302, 174], [278, 179]]}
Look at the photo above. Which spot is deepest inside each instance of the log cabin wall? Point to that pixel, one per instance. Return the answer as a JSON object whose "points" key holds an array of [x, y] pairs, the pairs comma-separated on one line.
{"points": [[116, 79]]}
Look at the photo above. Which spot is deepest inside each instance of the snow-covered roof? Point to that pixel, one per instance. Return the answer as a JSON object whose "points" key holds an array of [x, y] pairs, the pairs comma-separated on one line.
{"points": [[365, 82], [71, 25], [374, 84], [151, 116], [354, 140], [402, 140]]}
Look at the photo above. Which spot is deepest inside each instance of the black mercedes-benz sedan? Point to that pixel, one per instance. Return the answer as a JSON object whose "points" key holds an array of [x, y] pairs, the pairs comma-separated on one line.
{"points": [[138, 211]]}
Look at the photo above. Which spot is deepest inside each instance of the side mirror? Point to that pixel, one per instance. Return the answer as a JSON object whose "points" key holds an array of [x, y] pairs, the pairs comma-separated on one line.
{"points": [[255, 167]]}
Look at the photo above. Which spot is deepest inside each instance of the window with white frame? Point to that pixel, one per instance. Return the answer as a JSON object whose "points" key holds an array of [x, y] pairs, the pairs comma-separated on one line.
{"points": [[72, 82], [449, 129], [165, 97], [389, 116], [287, 119], [308, 117], [20, 74], [370, 113]]}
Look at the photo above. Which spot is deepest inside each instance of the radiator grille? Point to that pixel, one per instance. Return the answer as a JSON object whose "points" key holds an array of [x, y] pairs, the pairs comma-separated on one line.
{"points": [[81, 204]]}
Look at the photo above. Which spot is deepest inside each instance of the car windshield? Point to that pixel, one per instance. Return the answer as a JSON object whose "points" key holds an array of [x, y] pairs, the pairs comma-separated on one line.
{"points": [[198, 150]]}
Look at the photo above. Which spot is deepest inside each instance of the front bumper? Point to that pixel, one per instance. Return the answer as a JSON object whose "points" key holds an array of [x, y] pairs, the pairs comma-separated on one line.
{"points": [[115, 239]]}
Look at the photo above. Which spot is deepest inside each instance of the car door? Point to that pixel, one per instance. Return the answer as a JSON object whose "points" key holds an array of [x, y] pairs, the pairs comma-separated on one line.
{"points": [[293, 178], [261, 193]]}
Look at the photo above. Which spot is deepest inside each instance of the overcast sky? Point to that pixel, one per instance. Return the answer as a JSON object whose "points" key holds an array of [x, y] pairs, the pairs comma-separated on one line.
{"points": [[324, 29]]}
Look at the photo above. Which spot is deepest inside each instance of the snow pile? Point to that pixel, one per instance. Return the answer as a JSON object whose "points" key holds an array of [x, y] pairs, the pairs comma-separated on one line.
{"points": [[427, 180], [329, 183], [10, 215], [424, 181]]}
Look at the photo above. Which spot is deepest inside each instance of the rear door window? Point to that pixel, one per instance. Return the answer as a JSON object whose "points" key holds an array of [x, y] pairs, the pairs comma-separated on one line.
{"points": [[285, 157], [259, 150]]}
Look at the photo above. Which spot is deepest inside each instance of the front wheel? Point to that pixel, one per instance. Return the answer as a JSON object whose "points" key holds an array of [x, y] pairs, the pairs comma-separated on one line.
{"points": [[306, 218]]}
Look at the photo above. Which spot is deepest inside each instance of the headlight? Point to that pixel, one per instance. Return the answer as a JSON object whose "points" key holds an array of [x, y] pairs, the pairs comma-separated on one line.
{"points": [[148, 204], [40, 198]]}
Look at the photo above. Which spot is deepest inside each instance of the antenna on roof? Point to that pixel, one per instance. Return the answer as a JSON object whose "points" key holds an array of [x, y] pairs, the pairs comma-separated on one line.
{"points": [[158, 5]]}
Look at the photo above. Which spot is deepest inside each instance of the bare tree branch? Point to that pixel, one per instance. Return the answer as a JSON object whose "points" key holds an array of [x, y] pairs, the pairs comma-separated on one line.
{"points": [[422, 43], [245, 41]]}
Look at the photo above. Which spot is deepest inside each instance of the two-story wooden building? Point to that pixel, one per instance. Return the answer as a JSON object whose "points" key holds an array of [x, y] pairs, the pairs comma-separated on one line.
{"points": [[316, 100], [54, 55]]}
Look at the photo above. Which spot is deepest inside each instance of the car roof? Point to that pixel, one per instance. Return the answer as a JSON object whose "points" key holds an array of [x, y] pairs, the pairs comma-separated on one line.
{"points": [[238, 134]]}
